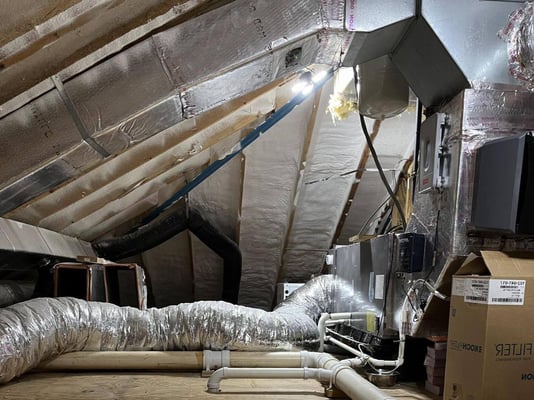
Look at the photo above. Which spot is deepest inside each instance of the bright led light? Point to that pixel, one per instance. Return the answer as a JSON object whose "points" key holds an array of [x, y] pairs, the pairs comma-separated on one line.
{"points": [[319, 76], [306, 90], [299, 86]]}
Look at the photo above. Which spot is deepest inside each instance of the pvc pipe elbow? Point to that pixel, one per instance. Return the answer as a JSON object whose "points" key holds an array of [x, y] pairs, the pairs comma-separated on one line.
{"points": [[214, 381]]}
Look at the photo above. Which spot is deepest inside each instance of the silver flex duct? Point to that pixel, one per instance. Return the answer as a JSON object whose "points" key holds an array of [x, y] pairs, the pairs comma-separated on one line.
{"points": [[40, 329]]}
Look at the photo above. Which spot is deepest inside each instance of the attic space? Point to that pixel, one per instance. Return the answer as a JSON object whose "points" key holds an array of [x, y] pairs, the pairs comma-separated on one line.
{"points": [[231, 196]]}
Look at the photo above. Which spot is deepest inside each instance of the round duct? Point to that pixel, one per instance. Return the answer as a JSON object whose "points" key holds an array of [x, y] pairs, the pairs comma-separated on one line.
{"points": [[382, 90]]}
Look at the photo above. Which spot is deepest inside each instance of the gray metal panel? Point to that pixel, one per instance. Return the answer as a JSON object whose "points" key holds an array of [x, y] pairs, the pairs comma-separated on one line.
{"points": [[366, 46], [347, 269], [86, 247], [24, 237], [369, 15], [468, 29], [497, 184], [427, 66], [5, 244], [113, 90], [429, 144], [380, 278], [349, 265], [65, 246]]}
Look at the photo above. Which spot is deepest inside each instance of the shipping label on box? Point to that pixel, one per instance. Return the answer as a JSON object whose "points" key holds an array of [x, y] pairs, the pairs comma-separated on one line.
{"points": [[491, 291]]}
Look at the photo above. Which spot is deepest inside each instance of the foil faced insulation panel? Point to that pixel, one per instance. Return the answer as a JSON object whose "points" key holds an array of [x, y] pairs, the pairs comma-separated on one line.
{"points": [[112, 91], [219, 198], [250, 76], [35, 134], [233, 35], [134, 94], [324, 189], [270, 177], [38, 142]]}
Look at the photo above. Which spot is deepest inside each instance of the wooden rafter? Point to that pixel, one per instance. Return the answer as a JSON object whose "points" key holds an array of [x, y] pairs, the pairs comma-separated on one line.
{"points": [[358, 176]]}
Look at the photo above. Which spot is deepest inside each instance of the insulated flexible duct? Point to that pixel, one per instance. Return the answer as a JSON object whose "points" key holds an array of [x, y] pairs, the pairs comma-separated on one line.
{"points": [[41, 329], [158, 231]]}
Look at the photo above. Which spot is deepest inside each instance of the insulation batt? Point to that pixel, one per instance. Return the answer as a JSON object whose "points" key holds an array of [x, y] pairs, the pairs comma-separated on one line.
{"points": [[41, 329]]}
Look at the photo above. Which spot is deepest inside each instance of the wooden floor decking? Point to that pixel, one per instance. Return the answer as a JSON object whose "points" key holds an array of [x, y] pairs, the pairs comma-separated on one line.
{"points": [[167, 386]]}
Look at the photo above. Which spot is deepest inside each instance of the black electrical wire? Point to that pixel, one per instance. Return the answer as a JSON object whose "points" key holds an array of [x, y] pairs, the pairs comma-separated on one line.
{"points": [[364, 226], [381, 171]]}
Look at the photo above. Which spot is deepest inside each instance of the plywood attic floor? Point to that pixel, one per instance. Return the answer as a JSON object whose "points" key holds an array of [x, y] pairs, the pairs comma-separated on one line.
{"points": [[167, 386]]}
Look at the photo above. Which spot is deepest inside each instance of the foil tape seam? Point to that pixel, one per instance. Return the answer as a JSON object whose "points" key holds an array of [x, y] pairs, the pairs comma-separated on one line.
{"points": [[76, 118]]}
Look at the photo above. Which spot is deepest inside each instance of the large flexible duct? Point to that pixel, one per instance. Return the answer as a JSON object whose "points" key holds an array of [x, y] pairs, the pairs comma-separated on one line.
{"points": [[158, 231], [41, 329]]}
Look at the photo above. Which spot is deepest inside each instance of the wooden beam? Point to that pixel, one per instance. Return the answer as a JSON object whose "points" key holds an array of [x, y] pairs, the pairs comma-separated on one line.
{"points": [[358, 176]]}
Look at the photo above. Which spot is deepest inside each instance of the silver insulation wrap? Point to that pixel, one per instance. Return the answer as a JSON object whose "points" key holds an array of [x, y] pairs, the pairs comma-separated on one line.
{"points": [[519, 35], [476, 117], [40, 329]]}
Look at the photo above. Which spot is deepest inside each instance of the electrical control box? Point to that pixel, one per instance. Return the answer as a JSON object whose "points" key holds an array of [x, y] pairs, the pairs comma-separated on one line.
{"points": [[434, 161], [410, 252]]}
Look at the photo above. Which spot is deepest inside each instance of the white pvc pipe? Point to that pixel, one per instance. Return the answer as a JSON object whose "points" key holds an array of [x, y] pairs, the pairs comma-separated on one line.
{"points": [[321, 324], [175, 360], [126, 360], [339, 373], [214, 382], [376, 362], [357, 387], [305, 365]]}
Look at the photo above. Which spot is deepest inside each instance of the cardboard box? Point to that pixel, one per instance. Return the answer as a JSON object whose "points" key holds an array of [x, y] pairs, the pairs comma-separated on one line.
{"points": [[490, 349]]}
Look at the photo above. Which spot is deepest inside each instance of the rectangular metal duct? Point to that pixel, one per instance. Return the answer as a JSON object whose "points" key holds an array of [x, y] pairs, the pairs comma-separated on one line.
{"points": [[378, 27], [19, 237], [441, 48], [453, 45], [427, 66]]}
